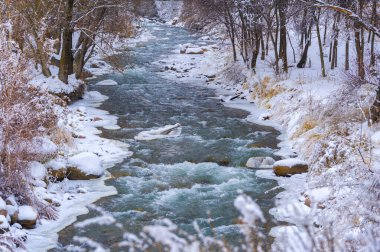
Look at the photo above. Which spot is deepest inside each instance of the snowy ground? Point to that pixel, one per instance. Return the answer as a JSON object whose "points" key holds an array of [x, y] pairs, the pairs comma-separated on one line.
{"points": [[293, 104], [298, 105], [73, 196], [84, 149]]}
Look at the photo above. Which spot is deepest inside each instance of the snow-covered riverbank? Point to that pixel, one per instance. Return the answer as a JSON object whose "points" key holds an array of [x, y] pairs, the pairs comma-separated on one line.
{"points": [[81, 125], [84, 119], [298, 106]]}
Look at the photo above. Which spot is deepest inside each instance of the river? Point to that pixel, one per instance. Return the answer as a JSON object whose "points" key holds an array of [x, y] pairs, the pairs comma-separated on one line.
{"points": [[193, 177]]}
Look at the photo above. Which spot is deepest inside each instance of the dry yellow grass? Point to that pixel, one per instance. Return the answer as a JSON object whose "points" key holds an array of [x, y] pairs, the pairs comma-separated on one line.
{"points": [[246, 86], [306, 126], [267, 89], [62, 136]]}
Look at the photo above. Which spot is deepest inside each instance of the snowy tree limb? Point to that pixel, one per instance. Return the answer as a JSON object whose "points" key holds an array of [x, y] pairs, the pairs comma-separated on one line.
{"points": [[348, 13]]}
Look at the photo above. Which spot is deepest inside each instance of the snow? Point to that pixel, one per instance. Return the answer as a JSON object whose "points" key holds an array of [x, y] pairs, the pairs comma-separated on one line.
{"points": [[88, 163], [107, 83], [2, 204], [44, 146], [319, 194], [249, 209], [168, 11], [90, 151], [27, 213], [167, 131], [37, 170], [376, 138], [194, 51], [11, 209], [45, 236], [290, 162], [53, 84], [3, 222], [56, 164]]}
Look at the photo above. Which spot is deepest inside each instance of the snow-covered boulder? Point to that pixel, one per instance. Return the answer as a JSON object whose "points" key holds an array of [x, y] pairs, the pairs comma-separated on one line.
{"points": [[37, 170], [268, 161], [183, 48], [26, 216], [57, 169], [84, 166], [254, 162], [291, 166], [317, 196], [194, 50], [260, 162]]}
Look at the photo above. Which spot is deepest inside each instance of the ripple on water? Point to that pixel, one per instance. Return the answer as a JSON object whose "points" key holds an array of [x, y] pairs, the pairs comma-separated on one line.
{"points": [[185, 192]]}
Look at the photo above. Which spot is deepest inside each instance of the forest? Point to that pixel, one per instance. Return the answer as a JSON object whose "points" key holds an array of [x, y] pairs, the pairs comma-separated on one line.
{"points": [[189, 125]]}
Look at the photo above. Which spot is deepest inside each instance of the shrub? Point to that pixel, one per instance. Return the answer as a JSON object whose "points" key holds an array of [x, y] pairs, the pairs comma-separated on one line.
{"points": [[26, 119]]}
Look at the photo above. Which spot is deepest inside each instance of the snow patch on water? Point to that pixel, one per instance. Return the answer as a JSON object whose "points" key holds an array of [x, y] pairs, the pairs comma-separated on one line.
{"points": [[106, 83], [163, 132]]}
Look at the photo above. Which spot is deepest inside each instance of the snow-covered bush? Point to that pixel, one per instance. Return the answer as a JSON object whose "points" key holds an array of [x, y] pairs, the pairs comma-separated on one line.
{"points": [[9, 243], [167, 236], [26, 119]]}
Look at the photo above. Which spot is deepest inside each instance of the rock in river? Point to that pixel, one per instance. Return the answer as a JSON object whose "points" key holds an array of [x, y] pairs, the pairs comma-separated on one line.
{"points": [[84, 166], [291, 166], [260, 162]]}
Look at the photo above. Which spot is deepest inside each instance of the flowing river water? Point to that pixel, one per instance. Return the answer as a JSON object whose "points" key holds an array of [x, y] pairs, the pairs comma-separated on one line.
{"points": [[193, 177]]}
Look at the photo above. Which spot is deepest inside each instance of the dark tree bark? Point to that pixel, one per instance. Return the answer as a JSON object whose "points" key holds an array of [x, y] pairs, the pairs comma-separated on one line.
{"points": [[359, 43], [282, 9], [303, 60], [374, 23], [262, 47], [347, 61], [320, 45], [375, 108], [67, 60]]}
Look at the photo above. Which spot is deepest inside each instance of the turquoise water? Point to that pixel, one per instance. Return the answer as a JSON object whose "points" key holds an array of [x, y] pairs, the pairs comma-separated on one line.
{"points": [[193, 177]]}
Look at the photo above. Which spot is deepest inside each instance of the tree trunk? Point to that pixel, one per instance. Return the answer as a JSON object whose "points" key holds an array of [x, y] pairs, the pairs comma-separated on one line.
{"points": [[67, 61], [374, 22], [320, 45], [43, 59], [282, 9], [291, 45], [375, 109], [347, 63], [325, 33], [303, 60], [359, 54], [255, 51], [277, 58], [262, 46]]}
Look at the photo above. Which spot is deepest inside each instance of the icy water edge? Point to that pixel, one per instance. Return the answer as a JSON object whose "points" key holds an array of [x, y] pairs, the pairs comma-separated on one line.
{"points": [[193, 177]]}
